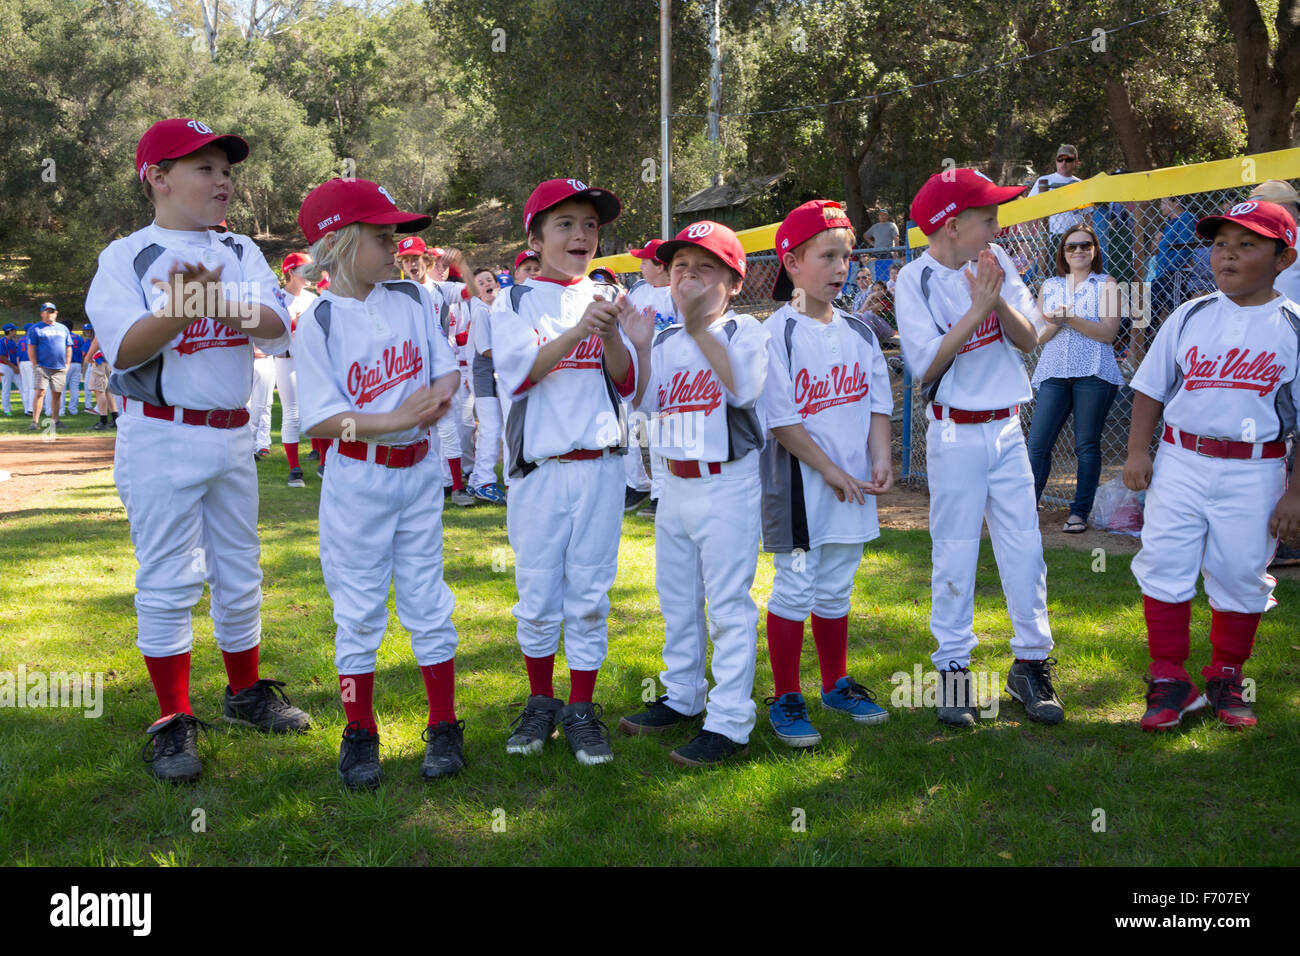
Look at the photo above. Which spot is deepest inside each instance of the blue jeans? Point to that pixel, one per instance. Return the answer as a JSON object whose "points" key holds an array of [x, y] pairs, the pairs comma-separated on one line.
{"points": [[1090, 399]]}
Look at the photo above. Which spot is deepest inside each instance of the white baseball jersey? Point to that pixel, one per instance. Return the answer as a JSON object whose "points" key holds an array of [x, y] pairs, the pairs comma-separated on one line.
{"points": [[208, 365], [298, 304], [458, 332], [696, 418], [1226, 372], [1288, 281], [576, 405], [988, 372], [368, 357], [830, 378]]}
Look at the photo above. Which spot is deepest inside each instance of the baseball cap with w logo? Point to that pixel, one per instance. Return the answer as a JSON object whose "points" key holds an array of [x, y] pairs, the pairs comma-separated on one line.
{"points": [[1266, 219], [710, 236], [174, 138], [341, 202], [552, 192]]}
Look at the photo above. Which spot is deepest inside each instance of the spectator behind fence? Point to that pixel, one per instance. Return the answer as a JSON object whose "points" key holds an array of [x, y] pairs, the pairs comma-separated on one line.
{"points": [[1165, 269], [883, 235], [1284, 194], [1113, 222], [1076, 370], [875, 306], [1067, 164]]}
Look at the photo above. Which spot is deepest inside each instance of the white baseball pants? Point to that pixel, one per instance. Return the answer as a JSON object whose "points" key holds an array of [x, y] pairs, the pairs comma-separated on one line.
{"points": [[381, 527], [635, 476], [9, 381], [72, 396], [449, 441], [26, 382], [706, 552], [193, 519], [817, 581], [487, 444], [978, 473], [286, 383], [259, 405], [564, 521], [1210, 516]]}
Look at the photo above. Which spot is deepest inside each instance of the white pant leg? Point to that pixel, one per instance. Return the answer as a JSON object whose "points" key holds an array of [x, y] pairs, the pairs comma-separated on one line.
{"points": [[679, 579], [725, 514], [286, 383], [1174, 527], [634, 475], [8, 382], [1238, 546], [957, 470], [192, 517], [424, 602], [25, 383], [259, 405], [538, 524], [463, 410], [73, 393], [657, 472], [504, 401], [1012, 515], [818, 581], [487, 444], [449, 441]]}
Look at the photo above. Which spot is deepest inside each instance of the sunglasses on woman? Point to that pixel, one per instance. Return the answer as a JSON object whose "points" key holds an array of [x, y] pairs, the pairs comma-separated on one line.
{"points": [[1078, 247]]}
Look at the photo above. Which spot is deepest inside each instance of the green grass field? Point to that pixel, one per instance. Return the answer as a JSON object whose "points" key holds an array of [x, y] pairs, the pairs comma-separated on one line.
{"points": [[73, 790]]}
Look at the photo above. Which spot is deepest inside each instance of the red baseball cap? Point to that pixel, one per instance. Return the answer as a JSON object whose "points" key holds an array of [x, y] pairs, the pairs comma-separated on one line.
{"points": [[604, 270], [804, 222], [952, 192], [341, 202], [1266, 219], [324, 282], [411, 246], [710, 236], [555, 191], [174, 138], [647, 251], [293, 260], [524, 257]]}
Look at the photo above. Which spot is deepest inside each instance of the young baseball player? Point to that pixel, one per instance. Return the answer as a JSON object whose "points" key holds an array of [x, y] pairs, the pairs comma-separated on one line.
{"points": [[964, 315], [527, 264], [1222, 371], [828, 404], [649, 294], [376, 373], [184, 457], [72, 396], [9, 367], [565, 363], [298, 297], [487, 444], [97, 381], [706, 374]]}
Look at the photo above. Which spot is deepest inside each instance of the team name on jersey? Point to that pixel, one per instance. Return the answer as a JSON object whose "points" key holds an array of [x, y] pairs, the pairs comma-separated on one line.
{"points": [[589, 353], [208, 334], [1238, 370], [812, 393], [394, 367], [990, 330], [685, 393]]}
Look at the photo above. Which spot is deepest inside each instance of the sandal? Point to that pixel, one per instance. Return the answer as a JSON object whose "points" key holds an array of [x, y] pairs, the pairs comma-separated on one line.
{"points": [[1075, 525]]}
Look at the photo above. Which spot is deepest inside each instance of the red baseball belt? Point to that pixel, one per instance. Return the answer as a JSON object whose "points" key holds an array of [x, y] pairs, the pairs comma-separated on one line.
{"points": [[693, 469], [390, 456], [212, 418], [581, 454], [973, 418], [1220, 448]]}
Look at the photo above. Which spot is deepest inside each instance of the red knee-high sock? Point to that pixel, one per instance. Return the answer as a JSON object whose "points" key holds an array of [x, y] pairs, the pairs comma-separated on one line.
{"points": [[358, 693], [457, 483], [320, 446], [171, 682], [291, 452], [784, 646], [541, 675], [582, 686], [241, 668], [440, 687], [832, 637], [1169, 637], [1232, 635]]}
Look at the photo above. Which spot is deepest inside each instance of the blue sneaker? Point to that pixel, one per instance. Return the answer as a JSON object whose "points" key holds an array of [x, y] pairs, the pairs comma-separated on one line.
{"points": [[489, 493], [856, 701], [789, 716]]}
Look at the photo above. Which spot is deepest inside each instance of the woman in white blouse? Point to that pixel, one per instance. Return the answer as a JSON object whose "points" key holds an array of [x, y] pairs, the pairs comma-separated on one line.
{"points": [[1076, 371]]}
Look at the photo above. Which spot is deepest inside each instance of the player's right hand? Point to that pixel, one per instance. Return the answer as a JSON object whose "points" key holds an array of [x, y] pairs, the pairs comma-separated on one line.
{"points": [[986, 281], [176, 293], [423, 407], [600, 318], [1137, 472], [846, 487]]}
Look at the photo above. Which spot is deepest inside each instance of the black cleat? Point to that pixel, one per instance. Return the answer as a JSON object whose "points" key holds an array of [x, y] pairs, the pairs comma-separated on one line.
{"points": [[444, 753], [708, 749], [265, 707], [655, 719], [956, 705], [587, 734], [172, 751], [1030, 682], [359, 758], [535, 724]]}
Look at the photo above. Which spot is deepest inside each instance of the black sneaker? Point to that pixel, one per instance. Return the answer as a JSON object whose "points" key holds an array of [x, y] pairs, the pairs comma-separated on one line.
{"points": [[99, 426], [956, 704], [632, 499], [708, 749], [655, 719], [535, 724], [1285, 557], [265, 707], [359, 758], [172, 751], [320, 471], [1030, 682], [444, 753], [313, 455], [295, 478], [651, 508], [586, 732]]}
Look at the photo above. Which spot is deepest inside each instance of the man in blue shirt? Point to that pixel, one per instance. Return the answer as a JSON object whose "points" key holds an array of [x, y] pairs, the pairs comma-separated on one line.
{"points": [[49, 347]]}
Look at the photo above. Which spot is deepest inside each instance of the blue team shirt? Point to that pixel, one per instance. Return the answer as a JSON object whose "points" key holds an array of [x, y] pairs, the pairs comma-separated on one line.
{"points": [[51, 343], [78, 348], [9, 348]]}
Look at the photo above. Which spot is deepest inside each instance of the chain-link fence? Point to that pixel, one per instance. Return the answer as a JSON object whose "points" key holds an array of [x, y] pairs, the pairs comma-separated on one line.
{"points": [[1149, 248]]}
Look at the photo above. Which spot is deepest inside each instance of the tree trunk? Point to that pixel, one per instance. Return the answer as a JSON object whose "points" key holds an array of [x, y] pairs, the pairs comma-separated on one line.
{"points": [[1268, 78], [1129, 130]]}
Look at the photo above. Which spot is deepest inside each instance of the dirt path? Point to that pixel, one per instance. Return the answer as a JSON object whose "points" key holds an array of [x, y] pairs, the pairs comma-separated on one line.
{"points": [[36, 465]]}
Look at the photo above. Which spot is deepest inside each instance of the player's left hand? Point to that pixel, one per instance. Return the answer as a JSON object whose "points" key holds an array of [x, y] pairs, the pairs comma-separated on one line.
{"points": [[637, 324], [845, 486], [1285, 522], [882, 478]]}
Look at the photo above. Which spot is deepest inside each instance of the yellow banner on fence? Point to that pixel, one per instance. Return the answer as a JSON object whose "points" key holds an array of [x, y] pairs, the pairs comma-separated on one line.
{"points": [[758, 239]]}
